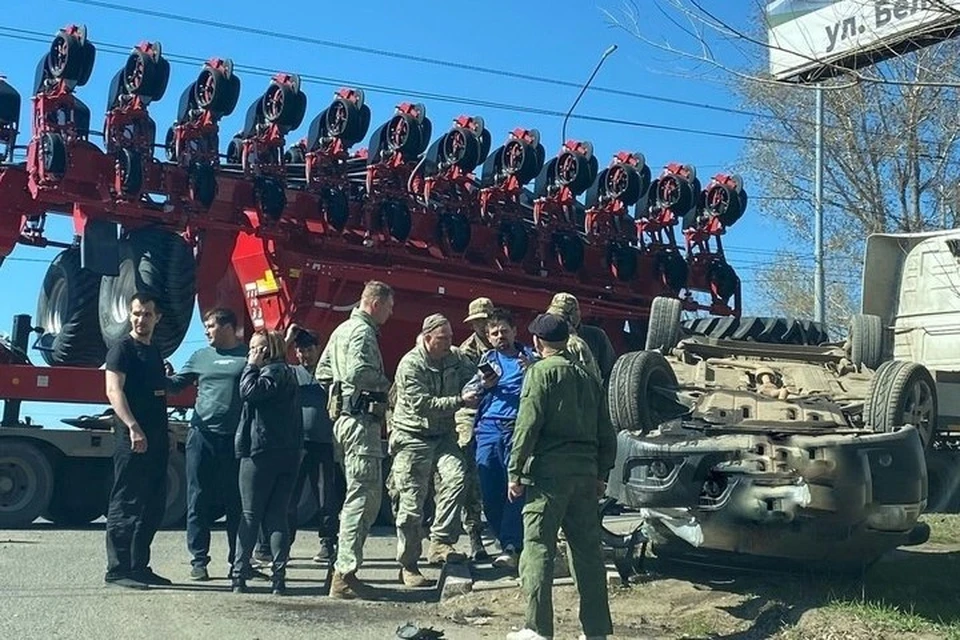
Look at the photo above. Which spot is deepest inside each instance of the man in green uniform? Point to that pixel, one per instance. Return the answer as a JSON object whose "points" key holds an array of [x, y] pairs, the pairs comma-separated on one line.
{"points": [[473, 347], [566, 307], [563, 449], [351, 368], [430, 384], [597, 340]]}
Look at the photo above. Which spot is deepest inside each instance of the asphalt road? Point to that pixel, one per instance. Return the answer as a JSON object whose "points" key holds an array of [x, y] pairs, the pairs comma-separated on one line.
{"points": [[51, 586]]}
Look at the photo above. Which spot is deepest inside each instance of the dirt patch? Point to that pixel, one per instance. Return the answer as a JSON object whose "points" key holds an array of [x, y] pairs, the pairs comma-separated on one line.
{"points": [[912, 594]]}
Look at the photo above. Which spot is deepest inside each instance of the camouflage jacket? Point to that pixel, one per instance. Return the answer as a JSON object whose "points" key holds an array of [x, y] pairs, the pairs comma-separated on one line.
{"points": [[563, 427], [579, 352], [428, 393], [474, 347], [352, 357], [600, 346]]}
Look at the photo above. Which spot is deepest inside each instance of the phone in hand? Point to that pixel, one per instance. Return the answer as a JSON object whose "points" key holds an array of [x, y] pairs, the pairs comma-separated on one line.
{"points": [[487, 370]]}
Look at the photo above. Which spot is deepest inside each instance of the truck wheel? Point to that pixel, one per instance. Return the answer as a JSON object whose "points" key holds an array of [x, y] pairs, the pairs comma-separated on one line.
{"points": [[902, 393], [67, 313], [663, 332], [26, 484], [81, 491], [631, 397], [160, 263], [306, 506], [176, 491], [866, 341]]}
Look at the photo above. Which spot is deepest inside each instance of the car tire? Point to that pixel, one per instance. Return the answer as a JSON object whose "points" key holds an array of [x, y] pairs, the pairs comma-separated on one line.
{"points": [[902, 393], [663, 332], [631, 397], [26, 484], [67, 313], [866, 341]]}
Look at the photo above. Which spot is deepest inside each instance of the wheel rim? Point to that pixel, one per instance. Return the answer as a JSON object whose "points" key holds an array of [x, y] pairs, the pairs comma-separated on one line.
{"points": [[52, 319], [18, 484], [124, 282], [918, 409]]}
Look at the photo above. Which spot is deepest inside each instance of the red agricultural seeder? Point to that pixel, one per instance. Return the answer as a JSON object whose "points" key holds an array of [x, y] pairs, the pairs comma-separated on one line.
{"points": [[291, 232]]}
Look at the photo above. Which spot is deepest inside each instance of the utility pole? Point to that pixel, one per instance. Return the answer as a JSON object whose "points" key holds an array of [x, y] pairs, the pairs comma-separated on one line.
{"points": [[583, 89], [819, 281]]}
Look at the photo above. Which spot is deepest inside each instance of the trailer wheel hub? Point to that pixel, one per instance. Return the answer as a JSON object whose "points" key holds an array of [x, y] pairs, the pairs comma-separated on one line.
{"points": [[17, 484]]}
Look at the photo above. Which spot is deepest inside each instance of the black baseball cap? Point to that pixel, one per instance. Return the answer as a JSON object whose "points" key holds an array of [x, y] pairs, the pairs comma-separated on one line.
{"points": [[549, 327]]}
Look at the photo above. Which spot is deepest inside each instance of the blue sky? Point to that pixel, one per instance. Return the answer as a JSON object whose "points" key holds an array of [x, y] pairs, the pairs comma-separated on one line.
{"points": [[558, 39]]}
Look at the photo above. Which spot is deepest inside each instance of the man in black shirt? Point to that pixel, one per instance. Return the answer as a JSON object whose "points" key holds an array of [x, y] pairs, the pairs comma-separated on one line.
{"points": [[136, 387]]}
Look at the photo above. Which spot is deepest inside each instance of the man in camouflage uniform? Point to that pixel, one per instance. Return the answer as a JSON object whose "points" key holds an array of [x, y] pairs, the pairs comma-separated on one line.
{"points": [[597, 356], [430, 384], [563, 449], [473, 347], [351, 368]]}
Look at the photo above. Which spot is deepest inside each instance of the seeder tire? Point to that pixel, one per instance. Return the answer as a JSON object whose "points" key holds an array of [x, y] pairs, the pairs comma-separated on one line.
{"points": [[67, 313]]}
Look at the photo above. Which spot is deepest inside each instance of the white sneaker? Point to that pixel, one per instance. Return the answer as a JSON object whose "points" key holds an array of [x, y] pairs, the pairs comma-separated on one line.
{"points": [[527, 634], [508, 558]]}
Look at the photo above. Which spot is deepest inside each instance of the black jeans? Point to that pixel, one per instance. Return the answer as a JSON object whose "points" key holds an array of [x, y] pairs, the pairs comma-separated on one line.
{"points": [[328, 488], [212, 480], [266, 484], [138, 500]]}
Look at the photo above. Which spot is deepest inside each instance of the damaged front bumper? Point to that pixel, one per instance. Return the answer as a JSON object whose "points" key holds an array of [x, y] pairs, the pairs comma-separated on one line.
{"points": [[806, 496]]}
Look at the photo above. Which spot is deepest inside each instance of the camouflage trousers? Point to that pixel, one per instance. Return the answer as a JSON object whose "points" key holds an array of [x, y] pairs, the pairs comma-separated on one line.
{"points": [[569, 503], [415, 459], [471, 490], [358, 441]]}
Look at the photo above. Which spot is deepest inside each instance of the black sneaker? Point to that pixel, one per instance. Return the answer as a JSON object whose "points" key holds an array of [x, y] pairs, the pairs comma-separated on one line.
{"points": [[199, 573], [125, 582], [147, 576]]}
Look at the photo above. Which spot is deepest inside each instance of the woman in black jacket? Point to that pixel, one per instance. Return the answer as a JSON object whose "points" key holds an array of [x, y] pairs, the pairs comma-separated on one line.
{"points": [[269, 444]]}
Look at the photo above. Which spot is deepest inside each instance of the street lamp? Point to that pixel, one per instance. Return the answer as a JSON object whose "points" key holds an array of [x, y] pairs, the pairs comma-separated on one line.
{"points": [[583, 89]]}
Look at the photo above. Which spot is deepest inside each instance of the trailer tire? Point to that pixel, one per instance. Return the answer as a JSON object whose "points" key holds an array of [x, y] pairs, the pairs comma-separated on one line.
{"points": [[663, 332], [629, 396], [176, 510], [67, 313], [162, 264], [902, 393], [81, 491], [26, 484]]}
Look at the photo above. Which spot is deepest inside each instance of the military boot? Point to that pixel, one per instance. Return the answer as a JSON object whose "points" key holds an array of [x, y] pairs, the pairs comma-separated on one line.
{"points": [[411, 577], [345, 586], [443, 553], [477, 551]]}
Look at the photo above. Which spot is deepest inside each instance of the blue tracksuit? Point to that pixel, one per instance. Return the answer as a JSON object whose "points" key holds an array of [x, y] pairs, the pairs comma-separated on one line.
{"points": [[494, 435]]}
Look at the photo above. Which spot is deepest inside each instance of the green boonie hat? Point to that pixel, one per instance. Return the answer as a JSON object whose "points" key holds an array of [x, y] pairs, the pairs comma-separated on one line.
{"points": [[479, 309], [566, 305]]}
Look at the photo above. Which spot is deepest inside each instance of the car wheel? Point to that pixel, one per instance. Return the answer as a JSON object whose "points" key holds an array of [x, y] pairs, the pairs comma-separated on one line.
{"points": [[663, 332], [902, 393], [866, 341], [632, 396]]}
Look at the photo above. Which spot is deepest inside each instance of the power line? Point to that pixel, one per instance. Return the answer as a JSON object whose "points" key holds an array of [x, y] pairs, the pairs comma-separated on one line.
{"points": [[460, 66]]}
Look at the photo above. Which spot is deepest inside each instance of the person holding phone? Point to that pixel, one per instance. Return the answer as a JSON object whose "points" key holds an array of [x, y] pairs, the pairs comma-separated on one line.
{"points": [[268, 444], [506, 363]]}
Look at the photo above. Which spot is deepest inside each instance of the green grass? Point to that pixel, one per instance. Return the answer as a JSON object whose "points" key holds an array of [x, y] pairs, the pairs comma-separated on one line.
{"points": [[881, 616]]}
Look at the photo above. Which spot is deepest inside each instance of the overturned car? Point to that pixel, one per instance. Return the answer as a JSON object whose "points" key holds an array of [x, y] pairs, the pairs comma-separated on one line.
{"points": [[751, 449]]}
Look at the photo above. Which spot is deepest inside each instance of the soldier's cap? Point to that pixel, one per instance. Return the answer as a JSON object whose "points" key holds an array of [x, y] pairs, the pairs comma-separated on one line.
{"points": [[549, 327], [433, 321], [566, 305], [479, 309]]}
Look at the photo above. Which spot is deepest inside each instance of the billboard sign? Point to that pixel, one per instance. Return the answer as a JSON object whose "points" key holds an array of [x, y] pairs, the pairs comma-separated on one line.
{"points": [[814, 39]]}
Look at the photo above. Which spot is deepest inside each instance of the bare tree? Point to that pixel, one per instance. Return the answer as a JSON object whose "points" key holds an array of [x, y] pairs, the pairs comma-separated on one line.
{"points": [[892, 161]]}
